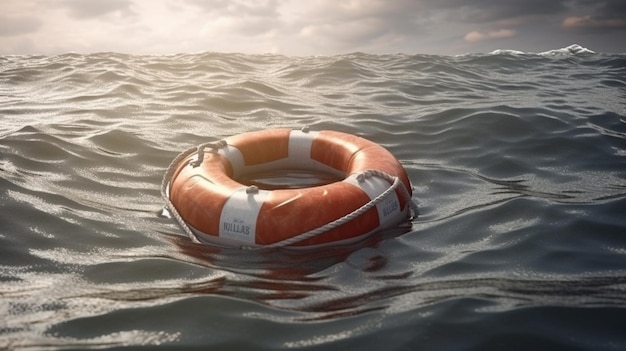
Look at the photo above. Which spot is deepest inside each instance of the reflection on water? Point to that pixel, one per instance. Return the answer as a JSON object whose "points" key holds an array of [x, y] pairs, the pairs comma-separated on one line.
{"points": [[287, 179], [518, 172]]}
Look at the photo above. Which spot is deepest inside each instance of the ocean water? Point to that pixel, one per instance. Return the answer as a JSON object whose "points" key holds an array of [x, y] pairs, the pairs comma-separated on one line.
{"points": [[518, 161]]}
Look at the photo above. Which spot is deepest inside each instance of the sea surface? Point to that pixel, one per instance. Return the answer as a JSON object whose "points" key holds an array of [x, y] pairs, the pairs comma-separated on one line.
{"points": [[518, 162]]}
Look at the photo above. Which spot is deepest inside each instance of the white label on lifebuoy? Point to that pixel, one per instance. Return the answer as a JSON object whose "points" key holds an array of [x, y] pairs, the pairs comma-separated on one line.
{"points": [[389, 207], [239, 215]]}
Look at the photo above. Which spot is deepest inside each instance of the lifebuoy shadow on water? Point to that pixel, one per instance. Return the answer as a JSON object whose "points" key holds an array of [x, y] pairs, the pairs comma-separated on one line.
{"points": [[270, 275]]}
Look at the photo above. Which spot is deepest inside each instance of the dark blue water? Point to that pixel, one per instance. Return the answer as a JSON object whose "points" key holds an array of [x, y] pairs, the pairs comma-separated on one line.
{"points": [[518, 162]]}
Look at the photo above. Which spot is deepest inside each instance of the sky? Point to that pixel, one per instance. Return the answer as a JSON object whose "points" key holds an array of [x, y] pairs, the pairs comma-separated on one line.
{"points": [[309, 27]]}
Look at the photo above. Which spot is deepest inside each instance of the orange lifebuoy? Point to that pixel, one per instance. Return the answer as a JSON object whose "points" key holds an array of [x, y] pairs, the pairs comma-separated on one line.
{"points": [[205, 189]]}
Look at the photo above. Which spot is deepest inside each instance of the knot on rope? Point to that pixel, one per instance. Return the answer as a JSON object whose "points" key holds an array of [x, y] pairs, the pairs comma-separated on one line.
{"points": [[213, 146], [252, 189]]}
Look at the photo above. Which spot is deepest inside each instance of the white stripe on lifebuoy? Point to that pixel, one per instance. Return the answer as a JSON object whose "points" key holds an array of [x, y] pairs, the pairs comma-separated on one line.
{"points": [[389, 208], [239, 215], [235, 157], [300, 145]]}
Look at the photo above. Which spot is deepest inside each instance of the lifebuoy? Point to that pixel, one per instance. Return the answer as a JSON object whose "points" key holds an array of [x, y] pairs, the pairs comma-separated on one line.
{"points": [[203, 188]]}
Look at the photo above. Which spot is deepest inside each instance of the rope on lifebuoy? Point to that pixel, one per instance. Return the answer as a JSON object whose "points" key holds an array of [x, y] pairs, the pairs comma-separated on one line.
{"points": [[167, 177], [395, 182], [169, 206], [214, 146]]}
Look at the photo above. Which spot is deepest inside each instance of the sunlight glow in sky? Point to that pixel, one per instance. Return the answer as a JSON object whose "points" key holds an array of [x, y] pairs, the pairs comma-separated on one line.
{"points": [[316, 27]]}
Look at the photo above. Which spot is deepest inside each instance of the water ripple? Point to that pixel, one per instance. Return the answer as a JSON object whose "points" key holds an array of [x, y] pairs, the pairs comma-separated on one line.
{"points": [[517, 167]]}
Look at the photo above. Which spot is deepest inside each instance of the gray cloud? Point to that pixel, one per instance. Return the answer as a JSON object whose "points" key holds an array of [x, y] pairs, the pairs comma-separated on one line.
{"points": [[333, 25], [17, 25], [267, 8], [588, 23], [614, 8], [240, 17], [599, 8], [82, 9], [480, 11], [332, 10], [313, 27], [358, 24], [596, 16]]}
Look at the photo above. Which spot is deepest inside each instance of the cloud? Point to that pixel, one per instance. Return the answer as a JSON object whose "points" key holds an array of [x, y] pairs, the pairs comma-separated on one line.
{"points": [[237, 17], [599, 8], [355, 25], [355, 31], [17, 25], [295, 27], [481, 11], [476, 36], [81, 9], [596, 16], [588, 22], [249, 26], [264, 8], [333, 10]]}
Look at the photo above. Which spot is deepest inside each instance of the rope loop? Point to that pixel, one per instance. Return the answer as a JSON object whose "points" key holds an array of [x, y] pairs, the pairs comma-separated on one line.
{"points": [[213, 146]]}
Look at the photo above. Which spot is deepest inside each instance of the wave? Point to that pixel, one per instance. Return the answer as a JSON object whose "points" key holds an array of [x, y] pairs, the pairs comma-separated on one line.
{"points": [[516, 159], [571, 50]]}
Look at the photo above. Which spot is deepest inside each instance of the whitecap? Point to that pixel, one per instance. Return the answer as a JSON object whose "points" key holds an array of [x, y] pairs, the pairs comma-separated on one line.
{"points": [[506, 52], [571, 50]]}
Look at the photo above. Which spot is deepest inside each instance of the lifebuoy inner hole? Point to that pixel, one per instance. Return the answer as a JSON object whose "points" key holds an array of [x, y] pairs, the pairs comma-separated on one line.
{"points": [[288, 179]]}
